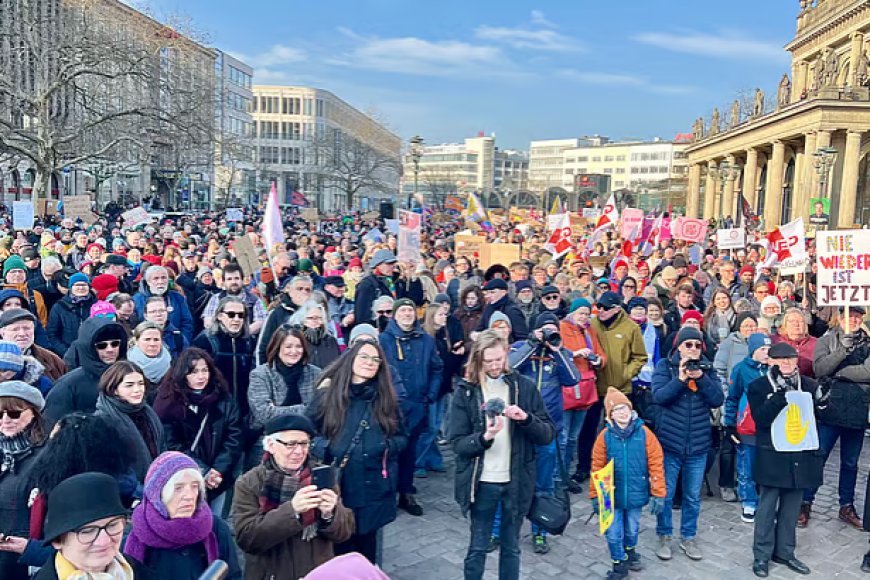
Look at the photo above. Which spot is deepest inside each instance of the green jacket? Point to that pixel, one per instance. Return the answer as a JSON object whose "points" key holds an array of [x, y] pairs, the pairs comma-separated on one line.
{"points": [[622, 342]]}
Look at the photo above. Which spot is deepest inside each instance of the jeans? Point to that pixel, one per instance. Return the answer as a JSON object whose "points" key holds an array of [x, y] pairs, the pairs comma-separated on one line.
{"points": [[692, 470], [408, 459], [623, 532], [586, 439], [745, 483], [572, 424], [851, 443], [489, 498], [428, 454]]}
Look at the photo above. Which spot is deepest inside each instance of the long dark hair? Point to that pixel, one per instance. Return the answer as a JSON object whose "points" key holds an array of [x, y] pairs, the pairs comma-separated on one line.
{"points": [[273, 349], [174, 383], [336, 381]]}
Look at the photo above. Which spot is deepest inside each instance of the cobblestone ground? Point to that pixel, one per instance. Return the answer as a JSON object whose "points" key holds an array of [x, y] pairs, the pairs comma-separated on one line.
{"points": [[433, 546]]}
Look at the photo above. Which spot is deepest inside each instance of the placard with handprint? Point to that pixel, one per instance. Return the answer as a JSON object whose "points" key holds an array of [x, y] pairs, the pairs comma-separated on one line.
{"points": [[794, 429]]}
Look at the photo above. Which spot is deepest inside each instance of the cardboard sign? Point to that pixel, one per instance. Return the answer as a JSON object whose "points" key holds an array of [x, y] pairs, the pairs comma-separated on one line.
{"points": [[135, 217], [310, 214], [843, 267], [22, 215], [78, 206], [731, 239], [409, 237], [235, 214], [505, 254], [372, 215], [468, 246], [591, 212], [246, 255]]}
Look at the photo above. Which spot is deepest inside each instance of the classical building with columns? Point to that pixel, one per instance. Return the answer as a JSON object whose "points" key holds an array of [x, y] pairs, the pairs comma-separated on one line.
{"points": [[811, 139]]}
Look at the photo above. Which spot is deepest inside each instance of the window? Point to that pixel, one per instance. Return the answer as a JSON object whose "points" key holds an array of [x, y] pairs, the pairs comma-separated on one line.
{"points": [[620, 170], [608, 158], [608, 171], [620, 157], [319, 107], [596, 160], [582, 159], [308, 106]]}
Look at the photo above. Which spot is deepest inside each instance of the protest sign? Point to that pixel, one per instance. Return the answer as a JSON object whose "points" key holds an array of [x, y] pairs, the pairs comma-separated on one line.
{"points": [[135, 217], [631, 219], [843, 260], [235, 214], [246, 255], [689, 229], [77, 206], [731, 239], [392, 226], [820, 211], [310, 214], [789, 245], [505, 254], [22, 215], [468, 246], [554, 221], [372, 215], [409, 237], [604, 487], [794, 428], [578, 224]]}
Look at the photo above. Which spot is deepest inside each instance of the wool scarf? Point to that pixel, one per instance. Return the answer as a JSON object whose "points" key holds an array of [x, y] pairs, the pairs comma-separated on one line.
{"points": [[155, 368], [119, 569], [123, 415], [14, 447], [280, 486]]}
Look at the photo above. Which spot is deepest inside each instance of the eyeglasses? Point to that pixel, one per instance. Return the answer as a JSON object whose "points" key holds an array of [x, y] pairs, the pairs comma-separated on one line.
{"points": [[230, 314], [12, 413], [629, 286], [104, 344], [692, 344], [89, 534], [553, 297], [291, 445], [369, 358]]}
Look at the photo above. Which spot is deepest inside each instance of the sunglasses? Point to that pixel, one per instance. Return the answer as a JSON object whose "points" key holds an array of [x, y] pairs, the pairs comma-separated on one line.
{"points": [[12, 413], [384, 312], [552, 297], [104, 344], [629, 286], [692, 344], [232, 315]]}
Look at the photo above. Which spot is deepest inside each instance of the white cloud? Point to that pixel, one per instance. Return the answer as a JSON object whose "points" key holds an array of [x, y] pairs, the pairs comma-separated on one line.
{"points": [[277, 55], [541, 20], [522, 38], [617, 80], [724, 45]]}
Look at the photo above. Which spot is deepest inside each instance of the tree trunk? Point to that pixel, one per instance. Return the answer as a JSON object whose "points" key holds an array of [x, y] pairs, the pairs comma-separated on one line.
{"points": [[349, 199]]}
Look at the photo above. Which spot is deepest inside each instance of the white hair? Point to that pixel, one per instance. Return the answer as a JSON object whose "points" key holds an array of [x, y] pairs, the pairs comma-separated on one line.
{"points": [[309, 305], [169, 489], [50, 263], [152, 270], [381, 301]]}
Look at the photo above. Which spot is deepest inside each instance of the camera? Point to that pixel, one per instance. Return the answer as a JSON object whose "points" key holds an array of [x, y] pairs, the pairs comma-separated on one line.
{"points": [[698, 365], [494, 407], [552, 337], [593, 358]]}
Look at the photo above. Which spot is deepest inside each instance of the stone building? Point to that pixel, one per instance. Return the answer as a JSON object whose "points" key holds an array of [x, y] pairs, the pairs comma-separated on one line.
{"points": [[809, 140]]}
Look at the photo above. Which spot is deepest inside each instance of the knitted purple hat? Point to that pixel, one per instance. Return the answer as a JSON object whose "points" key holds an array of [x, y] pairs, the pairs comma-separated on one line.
{"points": [[161, 471]]}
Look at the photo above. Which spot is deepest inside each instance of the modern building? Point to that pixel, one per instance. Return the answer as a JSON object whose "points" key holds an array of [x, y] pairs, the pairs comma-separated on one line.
{"points": [[312, 142], [235, 176], [810, 140], [547, 162]]}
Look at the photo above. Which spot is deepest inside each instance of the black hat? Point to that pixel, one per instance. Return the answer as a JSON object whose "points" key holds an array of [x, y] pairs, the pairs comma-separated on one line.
{"points": [[496, 284], [336, 281], [679, 261], [290, 423], [688, 333], [544, 319], [14, 315], [782, 350], [80, 500], [547, 290], [30, 253], [116, 260], [524, 285], [609, 300]]}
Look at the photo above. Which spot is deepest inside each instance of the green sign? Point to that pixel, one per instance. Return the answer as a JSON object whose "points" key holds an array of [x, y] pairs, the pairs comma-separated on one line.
{"points": [[820, 211]]}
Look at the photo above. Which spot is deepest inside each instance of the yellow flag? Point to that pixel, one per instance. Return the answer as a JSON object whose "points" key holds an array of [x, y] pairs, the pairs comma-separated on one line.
{"points": [[603, 481], [557, 206]]}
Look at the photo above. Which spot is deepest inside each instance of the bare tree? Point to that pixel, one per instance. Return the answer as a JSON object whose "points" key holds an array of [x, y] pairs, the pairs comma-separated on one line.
{"points": [[233, 157], [438, 183]]}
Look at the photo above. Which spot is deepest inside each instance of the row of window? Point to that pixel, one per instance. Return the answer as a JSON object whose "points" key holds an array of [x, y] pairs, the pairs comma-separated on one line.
{"points": [[238, 103], [240, 78], [287, 106], [280, 155], [621, 170]]}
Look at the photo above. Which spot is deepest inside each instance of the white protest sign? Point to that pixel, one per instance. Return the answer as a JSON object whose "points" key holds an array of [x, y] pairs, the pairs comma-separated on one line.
{"points": [[794, 428], [409, 237], [554, 221], [591, 212], [392, 226], [235, 214], [731, 239], [789, 244], [22, 215], [843, 260], [135, 216]]}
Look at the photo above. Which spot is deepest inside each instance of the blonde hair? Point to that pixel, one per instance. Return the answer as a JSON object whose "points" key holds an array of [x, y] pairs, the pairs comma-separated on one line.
{"points": [[486, 339]]}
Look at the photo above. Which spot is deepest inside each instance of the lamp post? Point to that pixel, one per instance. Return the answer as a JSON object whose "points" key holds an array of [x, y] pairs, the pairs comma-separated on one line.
{"points": [[416, 154], [824, 160]]}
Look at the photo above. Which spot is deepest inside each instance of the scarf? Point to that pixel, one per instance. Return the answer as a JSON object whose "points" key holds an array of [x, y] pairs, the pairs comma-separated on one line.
{"points": [[79, 299], [279, 487], [119, 569], [152, 528], [292, 376], [780, 382], [154, 368], [388, 282], [13, 448], [314, 335], [125, 416]]}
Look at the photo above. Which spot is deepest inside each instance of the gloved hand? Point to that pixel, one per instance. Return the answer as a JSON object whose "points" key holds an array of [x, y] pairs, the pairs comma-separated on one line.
{"points": [[731, 433], [656, 505], [595, 509]]}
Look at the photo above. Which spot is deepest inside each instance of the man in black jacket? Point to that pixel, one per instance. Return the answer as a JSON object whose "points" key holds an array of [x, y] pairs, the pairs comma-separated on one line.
{"points": [[379, 282], [497, 300], [495, 451]]}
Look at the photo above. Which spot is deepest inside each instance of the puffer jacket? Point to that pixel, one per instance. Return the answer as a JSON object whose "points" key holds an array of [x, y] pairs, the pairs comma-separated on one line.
{"points": [[548, 370], [178, 310], [64, 322], [467, 426], [683, 424], [234, 358], [519, 325], [638, 463], [622, 342], [731, 351], [847, 372], [737, 403]]}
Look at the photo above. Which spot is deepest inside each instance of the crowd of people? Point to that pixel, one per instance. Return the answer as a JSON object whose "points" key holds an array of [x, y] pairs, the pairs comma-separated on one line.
{"points": [[164, 406]]}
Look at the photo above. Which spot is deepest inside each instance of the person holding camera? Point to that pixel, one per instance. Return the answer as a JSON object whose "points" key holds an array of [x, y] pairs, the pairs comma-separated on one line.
{"points": [[543, 359], [686, 388], [497, 420]]}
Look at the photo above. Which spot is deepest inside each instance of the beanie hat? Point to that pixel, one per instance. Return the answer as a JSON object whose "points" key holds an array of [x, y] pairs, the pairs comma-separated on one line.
{"points": [[747, 269], [403, 302], [100, 247], [614, 398], [637, 302], [363, 330], [524, 285], [756, 341], [11, 358], [202, 271], [743, 316], [579, 303], [13, 262], [688, 333], [103, 309], [692, 315], [544, 319], [160, 472], [620, 263], [104, 284], [355, 263], [499, 317], [669, 273], [442, 299], [78, 277]]}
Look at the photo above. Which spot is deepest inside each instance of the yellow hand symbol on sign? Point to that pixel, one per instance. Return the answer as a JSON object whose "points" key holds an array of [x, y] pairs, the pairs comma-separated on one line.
{"points": [[794, 430]]}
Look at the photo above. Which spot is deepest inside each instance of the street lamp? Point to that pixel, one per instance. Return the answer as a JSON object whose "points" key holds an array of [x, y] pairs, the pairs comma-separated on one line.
{"points": [[824, 160], [726, 173], [416, 154]]}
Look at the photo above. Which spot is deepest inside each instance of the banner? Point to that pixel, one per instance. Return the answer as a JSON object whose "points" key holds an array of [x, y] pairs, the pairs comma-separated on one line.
{"points": [[22, 215], [560, 240], [135, 217], [603, 482], [609, 215], [454, 203], [843, 262], [273, 225], [731, 239], [392, 226], [409, 237], [789, 244], [689, 229], [235, 214], [631, 218]]}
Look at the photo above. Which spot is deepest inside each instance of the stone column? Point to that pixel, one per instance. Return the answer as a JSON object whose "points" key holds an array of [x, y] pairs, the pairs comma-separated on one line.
{"points": [[857, 50], [773, 196], [710, 190], [693, 198], [849, 185], [806, 175], [728, 194], [750, 178]]}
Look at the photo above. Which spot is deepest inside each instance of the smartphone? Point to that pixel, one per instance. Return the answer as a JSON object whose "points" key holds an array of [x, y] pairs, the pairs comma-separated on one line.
{"points": [[323, 477]]}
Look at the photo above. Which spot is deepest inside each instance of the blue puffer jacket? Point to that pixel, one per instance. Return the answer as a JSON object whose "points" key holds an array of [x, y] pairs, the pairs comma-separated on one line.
{"points": [[627, 449], [549, 375], [744, 373], [684, 422], [179, 312]]}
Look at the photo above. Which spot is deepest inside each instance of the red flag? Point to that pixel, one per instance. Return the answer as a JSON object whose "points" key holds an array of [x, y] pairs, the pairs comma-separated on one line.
{"points": [[560, 240]]}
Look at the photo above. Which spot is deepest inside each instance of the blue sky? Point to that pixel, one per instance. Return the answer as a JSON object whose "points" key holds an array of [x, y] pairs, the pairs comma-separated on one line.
{"points": [[522, 70]]}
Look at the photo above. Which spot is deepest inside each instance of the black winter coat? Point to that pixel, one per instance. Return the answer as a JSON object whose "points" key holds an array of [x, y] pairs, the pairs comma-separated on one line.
{"points": [[234, 358], [790, 470], [280, 313], [445, 338], [369, 289], [467, 426], [14, 513], [64, 321], [140, 572], [519, 328], [364, 489], [848, 371]]}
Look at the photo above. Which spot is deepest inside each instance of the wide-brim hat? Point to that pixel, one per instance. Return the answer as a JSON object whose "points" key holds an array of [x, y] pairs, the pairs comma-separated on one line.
{"points": [[80, 500]]}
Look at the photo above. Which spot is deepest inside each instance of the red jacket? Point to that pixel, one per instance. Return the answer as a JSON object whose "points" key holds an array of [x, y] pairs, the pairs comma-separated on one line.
{"points": [[805, 347]]}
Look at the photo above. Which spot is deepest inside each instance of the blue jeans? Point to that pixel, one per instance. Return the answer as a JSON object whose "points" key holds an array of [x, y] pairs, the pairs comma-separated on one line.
{"points": [[692, 469], [545, 467], [572, 423], [745, 483], [851, 443], [488, 500], [623, 532], [428, 454]]}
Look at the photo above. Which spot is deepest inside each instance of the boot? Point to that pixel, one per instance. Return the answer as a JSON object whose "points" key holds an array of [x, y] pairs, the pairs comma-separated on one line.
{"points": [[865, 565], [804, 516], [848, 515], [619, 571], [633, 560], [408, 502]]}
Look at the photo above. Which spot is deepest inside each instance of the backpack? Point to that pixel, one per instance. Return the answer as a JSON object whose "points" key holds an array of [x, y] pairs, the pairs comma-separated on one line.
{"points": [[745, 422]]}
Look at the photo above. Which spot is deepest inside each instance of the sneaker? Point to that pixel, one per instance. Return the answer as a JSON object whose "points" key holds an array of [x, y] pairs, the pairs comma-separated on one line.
{"points": [[804, 516], [421, 473], [619, 571], [574, 487], [728, 495], [540, 544], [848, 515], [865, 565], [443, 441], [748, 516], [494, 543], [633, 560], [664, 550], [690, 547]]}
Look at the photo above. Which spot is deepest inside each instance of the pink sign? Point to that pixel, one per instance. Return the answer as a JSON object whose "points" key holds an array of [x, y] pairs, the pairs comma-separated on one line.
{"points": [[631, 218], [690, 229]]}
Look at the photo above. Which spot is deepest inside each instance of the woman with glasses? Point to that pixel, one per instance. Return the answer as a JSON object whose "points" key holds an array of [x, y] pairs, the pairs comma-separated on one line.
{"points": [[735, 347], [22, 433], [284, 384], [149, 352], [382, 312], [201, 418], [122, 400], [322, 346], [628, 289], [795, 331], [174, 533], [286, 518], [156, 311], [357, 415]]}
